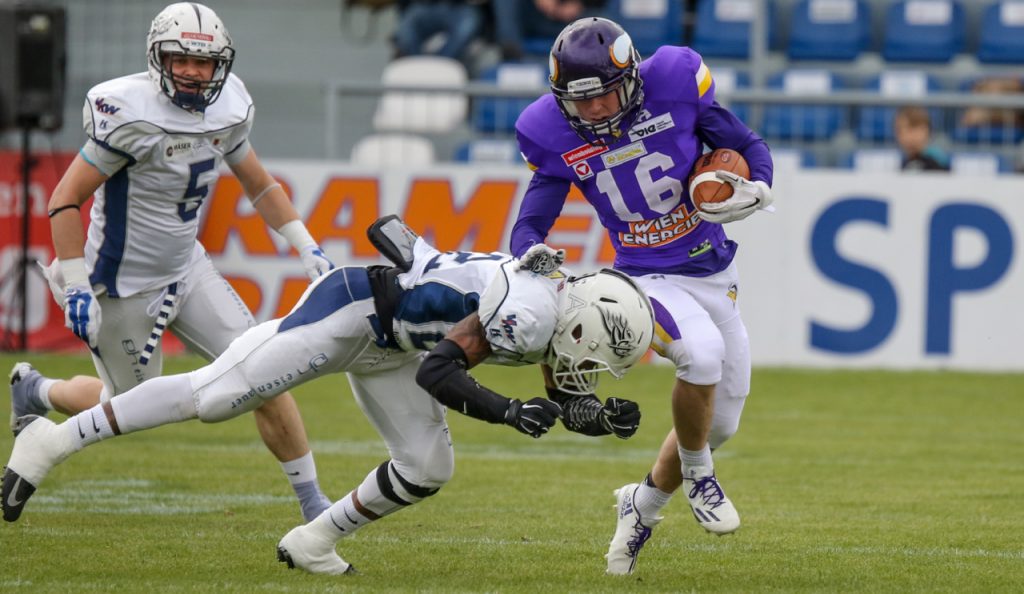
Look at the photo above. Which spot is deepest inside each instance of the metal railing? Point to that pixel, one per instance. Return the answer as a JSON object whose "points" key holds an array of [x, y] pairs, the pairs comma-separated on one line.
{"points": [[337, 93]]}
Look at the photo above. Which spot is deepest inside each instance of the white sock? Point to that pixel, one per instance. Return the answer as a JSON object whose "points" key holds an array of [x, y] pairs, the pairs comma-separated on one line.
{"points": [[88, 427], [341, 519], [691, 458], [649, 500], [301, 473], [300, 470], [44, 391]]}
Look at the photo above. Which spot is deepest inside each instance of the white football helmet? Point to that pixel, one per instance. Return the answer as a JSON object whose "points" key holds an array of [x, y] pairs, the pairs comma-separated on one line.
{"points": [[189, 28], [605, 323]]}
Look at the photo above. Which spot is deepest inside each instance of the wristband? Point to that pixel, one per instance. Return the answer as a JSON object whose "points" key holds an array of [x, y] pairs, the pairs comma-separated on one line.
{"points": [[73, 271], [297, 235], [53, 212]]}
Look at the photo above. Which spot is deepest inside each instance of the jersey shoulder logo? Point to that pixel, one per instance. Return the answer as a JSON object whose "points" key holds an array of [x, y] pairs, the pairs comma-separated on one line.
{"points": [[103, 107]]}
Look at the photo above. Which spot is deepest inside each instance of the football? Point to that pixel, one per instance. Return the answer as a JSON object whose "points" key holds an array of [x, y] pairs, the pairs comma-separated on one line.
{"points": [[705, 186]]}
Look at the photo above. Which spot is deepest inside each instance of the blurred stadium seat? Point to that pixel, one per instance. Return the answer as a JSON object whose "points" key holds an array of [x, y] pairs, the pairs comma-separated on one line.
{"points": [[804, 121], [875, 122], [1002, 33], [829, 29], [650, 23], [924, 31], [790, 159], [987, 125], [874, 160], [977, 163], [498, 114], [430, 112], [728, 80], [722, 28], [489, 150], [392, 149]]}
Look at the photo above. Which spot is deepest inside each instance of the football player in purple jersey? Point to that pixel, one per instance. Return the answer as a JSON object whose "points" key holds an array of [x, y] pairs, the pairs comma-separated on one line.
{"points": [[627, 135]]}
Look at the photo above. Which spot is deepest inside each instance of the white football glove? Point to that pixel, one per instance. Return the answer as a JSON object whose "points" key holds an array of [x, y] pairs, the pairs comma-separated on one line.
{"points": [[315, 262], [82, 314], [747, 197], [542, 259]]}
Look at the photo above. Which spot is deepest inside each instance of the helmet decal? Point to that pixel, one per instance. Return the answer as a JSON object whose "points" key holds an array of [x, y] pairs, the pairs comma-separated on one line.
{"points": [[552, 68], [621, 51], [621, 339]]}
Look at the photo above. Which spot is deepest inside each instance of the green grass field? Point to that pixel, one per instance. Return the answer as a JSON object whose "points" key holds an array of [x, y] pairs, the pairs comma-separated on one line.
{"points": [[850, 481]]}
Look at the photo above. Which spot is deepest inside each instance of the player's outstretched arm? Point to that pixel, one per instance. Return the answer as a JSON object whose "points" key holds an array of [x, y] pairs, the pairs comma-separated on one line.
{"points": [[270, 200], [81, 310], [443, 374]]}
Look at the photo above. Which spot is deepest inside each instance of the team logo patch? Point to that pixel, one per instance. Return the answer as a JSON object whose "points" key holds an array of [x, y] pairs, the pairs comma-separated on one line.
{"points": [[188, 147], [508, 326], [582, 153], [624, 154], [662, 230], [103, 107], [199, 36], [733, 292], [583, 170], [651, 126]]}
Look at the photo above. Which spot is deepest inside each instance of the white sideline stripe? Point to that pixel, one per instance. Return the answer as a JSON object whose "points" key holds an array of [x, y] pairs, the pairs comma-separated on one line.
{"points": [[942, 553], [145, 499], [929, 552], [567, 450]]}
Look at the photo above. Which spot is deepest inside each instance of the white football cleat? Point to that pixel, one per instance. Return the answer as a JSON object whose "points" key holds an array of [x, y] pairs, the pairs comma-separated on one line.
{"points": [[713, 510], [631, 532], [39, 447], [305, 549]]}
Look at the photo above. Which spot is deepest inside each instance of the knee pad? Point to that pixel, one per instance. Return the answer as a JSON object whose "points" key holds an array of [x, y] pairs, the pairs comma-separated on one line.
{"points": [[726, 420], [386, 491], [698, 360]]}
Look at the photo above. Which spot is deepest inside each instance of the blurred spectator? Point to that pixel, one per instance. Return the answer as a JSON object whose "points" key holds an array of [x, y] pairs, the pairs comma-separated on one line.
{"points": [[515, 20], [988, 116], [913, 130], [459, 21]]}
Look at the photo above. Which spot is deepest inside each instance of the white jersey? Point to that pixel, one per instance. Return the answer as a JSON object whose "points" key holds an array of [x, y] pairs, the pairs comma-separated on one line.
{"points": [[161, 160], [518, 309]]}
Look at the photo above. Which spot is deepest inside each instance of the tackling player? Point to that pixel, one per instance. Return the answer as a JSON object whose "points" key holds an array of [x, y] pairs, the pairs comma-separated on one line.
{"points": [[464, 308], [155, 143], [627, 135]]}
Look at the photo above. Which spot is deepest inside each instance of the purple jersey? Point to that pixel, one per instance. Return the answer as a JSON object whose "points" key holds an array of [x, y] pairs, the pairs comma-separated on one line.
{"points": [[638, 181]]}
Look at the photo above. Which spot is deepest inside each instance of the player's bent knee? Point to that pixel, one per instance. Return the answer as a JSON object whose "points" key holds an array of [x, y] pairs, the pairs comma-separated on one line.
{"points": [[721, 432], [698, 360], [429, 472]]}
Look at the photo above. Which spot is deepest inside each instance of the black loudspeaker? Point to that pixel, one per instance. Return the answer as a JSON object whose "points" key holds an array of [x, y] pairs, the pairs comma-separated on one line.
{"points": [[32, 65]]}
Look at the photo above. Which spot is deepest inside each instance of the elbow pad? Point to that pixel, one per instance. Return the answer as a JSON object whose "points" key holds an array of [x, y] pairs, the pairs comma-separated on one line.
{"points": [[443, 374]]}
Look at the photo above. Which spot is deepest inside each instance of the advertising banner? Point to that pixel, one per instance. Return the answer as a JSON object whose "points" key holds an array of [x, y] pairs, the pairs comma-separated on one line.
{"points": [[852, 270]]}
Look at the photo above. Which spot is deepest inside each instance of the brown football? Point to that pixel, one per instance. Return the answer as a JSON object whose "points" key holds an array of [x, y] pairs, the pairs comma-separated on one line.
{"points": [[704, 186]]}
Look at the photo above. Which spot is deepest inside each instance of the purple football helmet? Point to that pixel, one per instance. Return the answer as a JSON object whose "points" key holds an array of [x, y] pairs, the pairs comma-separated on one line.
{"points": [[592, 57]]}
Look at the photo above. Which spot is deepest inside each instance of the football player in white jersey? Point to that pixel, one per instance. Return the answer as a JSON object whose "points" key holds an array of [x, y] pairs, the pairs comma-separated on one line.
{"points": [[375, 323], [155, 143]]}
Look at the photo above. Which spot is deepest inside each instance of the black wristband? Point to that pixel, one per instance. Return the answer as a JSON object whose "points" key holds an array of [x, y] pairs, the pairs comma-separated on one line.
{"points": [[51, 213]]}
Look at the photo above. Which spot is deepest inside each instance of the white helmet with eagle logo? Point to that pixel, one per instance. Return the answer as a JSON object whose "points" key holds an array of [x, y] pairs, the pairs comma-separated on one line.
{"points": [[190, 29], [605, 323]]}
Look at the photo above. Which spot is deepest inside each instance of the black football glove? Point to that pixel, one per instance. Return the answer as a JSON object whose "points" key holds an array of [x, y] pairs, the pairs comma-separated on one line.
{"points": [[620, 416], [533, 417], [586, 415]]}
